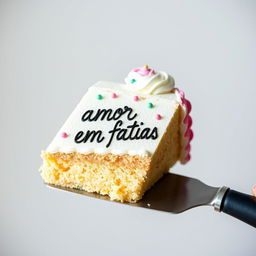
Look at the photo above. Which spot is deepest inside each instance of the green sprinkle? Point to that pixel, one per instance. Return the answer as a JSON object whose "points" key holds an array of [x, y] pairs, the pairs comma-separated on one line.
{"points": [[99, 97], [150, 105], [133, 81]]}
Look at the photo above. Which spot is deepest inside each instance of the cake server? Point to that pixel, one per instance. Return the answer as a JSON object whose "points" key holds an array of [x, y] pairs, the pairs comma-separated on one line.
{"points": [[175, 194]]}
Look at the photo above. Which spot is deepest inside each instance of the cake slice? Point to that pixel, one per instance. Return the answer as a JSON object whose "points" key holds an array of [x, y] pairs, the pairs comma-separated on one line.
{"points": [[121, 138]]}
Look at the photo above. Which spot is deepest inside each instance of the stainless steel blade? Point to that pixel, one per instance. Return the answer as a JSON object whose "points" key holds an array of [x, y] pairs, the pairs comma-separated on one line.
{"points": [[172, 193]]}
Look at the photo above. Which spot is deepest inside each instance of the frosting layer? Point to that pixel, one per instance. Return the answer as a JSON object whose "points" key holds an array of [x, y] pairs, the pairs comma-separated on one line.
{"points": [[110, 119], [147, 81], [126, 118]]}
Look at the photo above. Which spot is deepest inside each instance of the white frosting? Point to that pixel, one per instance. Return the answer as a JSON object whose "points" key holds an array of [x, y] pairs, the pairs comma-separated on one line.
{"points": [[156, 83], [164, 104]]}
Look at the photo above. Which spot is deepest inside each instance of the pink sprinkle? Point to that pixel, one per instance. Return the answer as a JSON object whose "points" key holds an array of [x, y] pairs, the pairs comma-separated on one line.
{"points": [[136, 98], [254, 190], [158, 117], [64, 135], [114, 95]]}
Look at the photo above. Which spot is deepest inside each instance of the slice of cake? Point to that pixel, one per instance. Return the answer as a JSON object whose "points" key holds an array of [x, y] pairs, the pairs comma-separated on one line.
{"points": [[121, 138]]}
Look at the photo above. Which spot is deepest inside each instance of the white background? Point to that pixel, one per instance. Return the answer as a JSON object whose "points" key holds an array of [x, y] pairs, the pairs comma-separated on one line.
{"points": [[51, 51]]}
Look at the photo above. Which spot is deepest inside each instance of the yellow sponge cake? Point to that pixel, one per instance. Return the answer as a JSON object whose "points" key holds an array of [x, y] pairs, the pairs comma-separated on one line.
{"points": [[122, 137]]}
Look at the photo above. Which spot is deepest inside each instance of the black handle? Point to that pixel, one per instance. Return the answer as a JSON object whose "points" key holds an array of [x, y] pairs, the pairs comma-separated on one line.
{"points": [[240, 206]]}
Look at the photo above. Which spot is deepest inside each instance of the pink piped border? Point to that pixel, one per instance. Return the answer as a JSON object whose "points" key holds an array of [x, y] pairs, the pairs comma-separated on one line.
{"points": [[186, 131]]}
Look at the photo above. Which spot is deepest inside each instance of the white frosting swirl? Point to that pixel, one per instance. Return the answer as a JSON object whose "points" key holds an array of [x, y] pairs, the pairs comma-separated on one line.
{"points": [[147, 81]]}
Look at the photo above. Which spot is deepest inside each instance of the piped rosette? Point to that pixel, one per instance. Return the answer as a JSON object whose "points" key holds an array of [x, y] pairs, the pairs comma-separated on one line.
{"points": [[186, 123], [147, 81]]}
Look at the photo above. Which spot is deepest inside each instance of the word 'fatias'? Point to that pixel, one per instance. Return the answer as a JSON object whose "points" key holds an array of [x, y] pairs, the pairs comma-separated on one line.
{"points": [[135, 131]]}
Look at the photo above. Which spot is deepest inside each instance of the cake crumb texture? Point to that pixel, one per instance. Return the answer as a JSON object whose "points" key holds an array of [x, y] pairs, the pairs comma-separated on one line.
{"points": [[120, 177], [123, 178]]}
